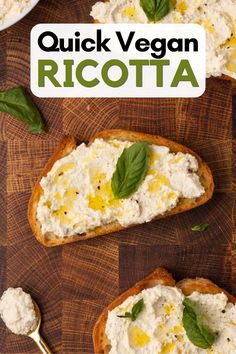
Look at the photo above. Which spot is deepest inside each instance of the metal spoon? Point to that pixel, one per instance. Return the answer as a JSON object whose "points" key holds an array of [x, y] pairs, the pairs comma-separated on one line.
{"points": [[35, 335]]}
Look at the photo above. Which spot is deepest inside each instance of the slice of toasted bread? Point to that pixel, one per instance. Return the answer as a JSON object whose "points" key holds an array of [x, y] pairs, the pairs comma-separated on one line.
{"points": [[159, 276], [69, 144]]}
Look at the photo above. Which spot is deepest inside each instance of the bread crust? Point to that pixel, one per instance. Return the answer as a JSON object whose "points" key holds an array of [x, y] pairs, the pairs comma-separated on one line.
{"points": [[69, 143], [65, 148], [158, 276], [228, 78]]}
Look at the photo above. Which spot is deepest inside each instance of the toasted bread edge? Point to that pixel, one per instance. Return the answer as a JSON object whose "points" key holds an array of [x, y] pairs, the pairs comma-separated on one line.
{"points": [[65, 147]]}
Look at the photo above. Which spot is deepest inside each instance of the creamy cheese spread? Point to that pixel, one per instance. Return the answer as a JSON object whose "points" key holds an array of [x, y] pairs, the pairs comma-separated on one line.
{"points": [[17, 311], [218, 17], [9, 8], [159, 328], [77, 195]]}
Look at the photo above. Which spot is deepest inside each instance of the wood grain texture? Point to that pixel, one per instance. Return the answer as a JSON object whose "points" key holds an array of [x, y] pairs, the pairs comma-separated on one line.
{"points": [[179, 260], [2, 59], [3, 197], [73, 283]]}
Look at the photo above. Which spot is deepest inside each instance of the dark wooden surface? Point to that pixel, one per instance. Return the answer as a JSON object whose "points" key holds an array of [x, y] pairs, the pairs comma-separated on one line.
{"points": [[73, 283]]}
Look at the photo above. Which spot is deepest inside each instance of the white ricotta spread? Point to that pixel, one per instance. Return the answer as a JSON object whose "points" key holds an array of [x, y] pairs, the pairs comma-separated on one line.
{"points": [[17, 311], [159, 328], [77, 194], [218, 17], [9, 8]]}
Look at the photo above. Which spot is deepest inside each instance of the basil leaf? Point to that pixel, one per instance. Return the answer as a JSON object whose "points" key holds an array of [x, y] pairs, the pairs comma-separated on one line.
{"points": [[136, 309], [155, 9], [131, 168], [197, 332], [17, 103], [200, 227]]}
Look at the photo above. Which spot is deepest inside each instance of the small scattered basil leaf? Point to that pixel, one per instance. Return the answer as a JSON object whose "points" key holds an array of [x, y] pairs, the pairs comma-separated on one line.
{"points": [[17, 103], [199, 334], [200, 227], [155, 10], [131, 168], [136, 309], [126, 315]]}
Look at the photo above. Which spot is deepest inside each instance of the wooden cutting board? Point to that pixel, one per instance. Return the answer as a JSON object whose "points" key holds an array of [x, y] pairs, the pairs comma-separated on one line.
{"points": [[73, 283]]}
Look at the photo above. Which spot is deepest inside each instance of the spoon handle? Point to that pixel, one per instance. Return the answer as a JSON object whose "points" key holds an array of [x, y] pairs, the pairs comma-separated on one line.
{"points": [[41, 344]]}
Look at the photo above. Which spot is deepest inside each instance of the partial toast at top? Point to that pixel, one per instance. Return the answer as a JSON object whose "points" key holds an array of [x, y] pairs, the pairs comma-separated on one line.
{"points": [[222, 77], [159, 276], [69, 144]]}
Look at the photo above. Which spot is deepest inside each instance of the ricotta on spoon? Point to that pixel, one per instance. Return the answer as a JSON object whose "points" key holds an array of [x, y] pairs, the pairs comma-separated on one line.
{"points": [[17, 311]]}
